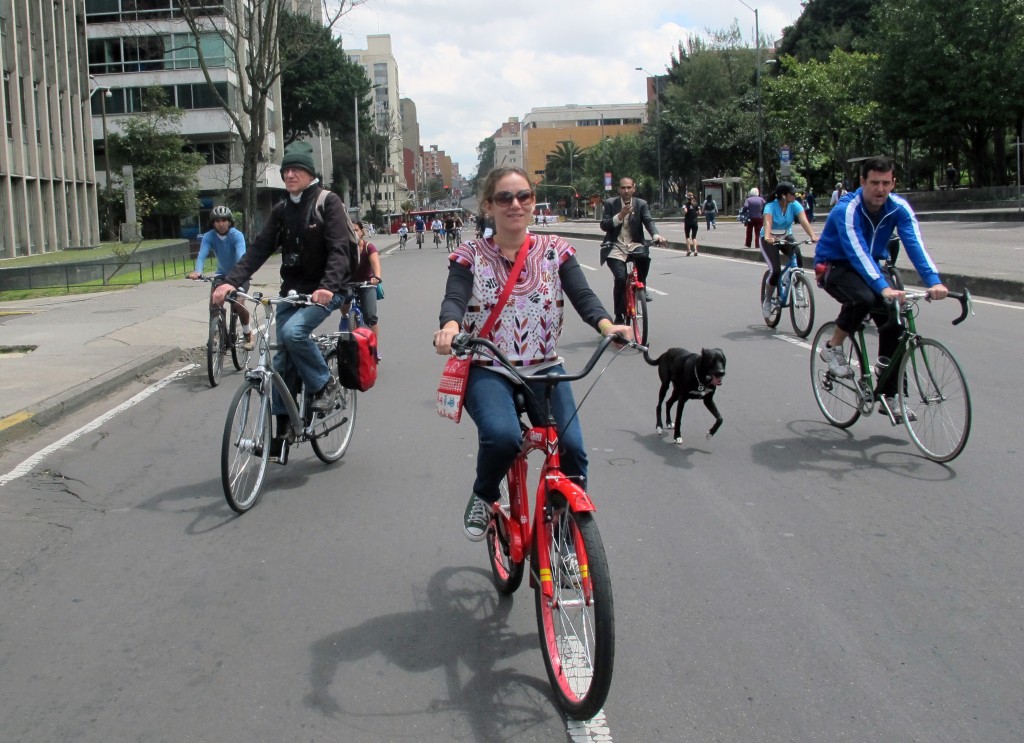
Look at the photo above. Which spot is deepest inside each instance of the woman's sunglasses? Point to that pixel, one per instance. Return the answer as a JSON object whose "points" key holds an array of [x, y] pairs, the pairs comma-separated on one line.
{"points": [[504, 198]]}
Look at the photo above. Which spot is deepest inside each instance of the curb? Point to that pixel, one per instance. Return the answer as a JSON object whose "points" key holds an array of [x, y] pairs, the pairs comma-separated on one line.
{"points": [[1005, 290], [32, 420]]}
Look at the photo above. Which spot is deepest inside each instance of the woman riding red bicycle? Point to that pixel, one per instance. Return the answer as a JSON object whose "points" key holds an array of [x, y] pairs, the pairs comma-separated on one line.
{"points": [[528, 332]]}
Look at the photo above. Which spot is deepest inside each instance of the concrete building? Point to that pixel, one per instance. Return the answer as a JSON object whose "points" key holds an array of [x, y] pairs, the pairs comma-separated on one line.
{"points": [[382, 69], [47, 172], [543, 128], [133, 46], [413, 164], [508, 144]]}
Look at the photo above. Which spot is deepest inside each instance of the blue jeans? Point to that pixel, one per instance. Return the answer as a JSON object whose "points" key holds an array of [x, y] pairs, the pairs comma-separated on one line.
{"points": [[300, 358], [489, 403]]}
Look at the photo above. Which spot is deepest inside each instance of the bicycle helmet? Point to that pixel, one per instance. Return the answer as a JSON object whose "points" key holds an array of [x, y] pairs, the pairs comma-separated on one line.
{"points": [[222, 212]]}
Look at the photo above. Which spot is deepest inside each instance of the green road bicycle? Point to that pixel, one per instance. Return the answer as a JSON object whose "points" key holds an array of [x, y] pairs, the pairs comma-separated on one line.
{"points": [[932, 398]]}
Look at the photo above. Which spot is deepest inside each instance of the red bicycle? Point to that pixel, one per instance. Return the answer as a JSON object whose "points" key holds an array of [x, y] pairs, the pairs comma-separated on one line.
{"points": [[635, 301], [569, 570]]}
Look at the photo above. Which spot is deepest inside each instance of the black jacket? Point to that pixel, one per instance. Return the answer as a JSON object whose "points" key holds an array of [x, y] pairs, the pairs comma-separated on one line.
{"points": [[641, 218], [325, 245]]}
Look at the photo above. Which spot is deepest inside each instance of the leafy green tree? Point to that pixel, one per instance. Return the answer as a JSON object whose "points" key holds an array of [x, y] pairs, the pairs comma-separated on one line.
{"points": [[485, 162], [565, 163], [825, 25], [318, 82], [950, 79], [165, 173], [826, 108]]}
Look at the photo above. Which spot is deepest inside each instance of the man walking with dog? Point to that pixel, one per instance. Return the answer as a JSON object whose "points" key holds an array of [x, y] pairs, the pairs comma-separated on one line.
{"points": [[848, 261], [623, 222]]}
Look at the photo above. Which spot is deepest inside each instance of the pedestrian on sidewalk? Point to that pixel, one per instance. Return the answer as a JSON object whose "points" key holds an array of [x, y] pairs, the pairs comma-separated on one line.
{"points": [[710, 211], [755, 215], [691, 215]]}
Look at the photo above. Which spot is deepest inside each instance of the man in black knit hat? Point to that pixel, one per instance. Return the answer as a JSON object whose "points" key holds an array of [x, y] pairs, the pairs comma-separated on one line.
{"points": [[317, 244]]}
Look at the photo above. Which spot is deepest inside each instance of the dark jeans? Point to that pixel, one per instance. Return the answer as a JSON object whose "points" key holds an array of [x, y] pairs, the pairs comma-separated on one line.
{"points": [[489, 403], [618, 269], [858, 300], [300, 358]]}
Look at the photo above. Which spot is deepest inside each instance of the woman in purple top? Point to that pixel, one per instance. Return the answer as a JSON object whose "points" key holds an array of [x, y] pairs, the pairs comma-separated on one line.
{"points": [[368, 270], [755, 211]]}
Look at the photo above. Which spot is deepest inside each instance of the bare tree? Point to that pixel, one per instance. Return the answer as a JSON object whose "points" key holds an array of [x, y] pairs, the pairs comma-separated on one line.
{"points": [[250, 31]]}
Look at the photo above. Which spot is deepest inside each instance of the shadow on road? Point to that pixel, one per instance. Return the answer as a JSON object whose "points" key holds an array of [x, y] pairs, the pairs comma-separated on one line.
{"points": [[462, 631]]}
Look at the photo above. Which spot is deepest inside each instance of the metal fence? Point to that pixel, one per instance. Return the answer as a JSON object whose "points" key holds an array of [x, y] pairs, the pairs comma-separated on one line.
{"points": [[96, 274]]}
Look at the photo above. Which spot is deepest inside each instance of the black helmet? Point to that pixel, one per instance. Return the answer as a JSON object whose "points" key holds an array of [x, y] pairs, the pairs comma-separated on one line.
{"points": [[222, 212]]}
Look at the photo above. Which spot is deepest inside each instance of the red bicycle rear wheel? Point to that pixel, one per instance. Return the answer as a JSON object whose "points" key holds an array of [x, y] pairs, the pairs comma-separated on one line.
{"points": [[639, 319], [576, 623]]}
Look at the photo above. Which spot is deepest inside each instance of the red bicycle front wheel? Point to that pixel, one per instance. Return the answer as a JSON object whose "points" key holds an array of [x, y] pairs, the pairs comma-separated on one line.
{"points": [[507, 573], [576, 622], [639, 319]]}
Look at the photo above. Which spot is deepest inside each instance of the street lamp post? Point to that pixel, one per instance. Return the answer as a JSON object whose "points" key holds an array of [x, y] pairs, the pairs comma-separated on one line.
{"points": [[106, 151], [757, 85], [604, 165], [657, 131]]}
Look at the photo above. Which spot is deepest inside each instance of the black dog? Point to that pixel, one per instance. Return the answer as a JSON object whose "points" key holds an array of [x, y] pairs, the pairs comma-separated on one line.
{"points": [[692, 375]]}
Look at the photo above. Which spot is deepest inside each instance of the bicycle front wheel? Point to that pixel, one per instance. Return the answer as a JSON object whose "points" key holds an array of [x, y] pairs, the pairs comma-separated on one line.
{"points": [[507, 574], [215, 350], [576, 624], [239, 353], [801, 305], [773, 319], [839, 399], [934, 400], [245, 448], [332, 429], [639, 319]]}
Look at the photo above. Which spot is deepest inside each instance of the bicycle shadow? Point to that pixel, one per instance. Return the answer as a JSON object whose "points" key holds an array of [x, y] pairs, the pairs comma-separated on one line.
{"points": [[463, 627], [838, 453], [204, 501]]}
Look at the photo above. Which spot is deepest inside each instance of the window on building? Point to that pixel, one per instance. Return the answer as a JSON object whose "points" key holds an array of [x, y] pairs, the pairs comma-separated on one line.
{"points": [[215, 153], [7, 105], [143, 53]]}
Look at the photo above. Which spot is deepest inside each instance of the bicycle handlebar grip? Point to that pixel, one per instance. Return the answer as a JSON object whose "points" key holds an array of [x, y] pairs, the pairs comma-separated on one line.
{"points": [[460, 344], [965, 304]]}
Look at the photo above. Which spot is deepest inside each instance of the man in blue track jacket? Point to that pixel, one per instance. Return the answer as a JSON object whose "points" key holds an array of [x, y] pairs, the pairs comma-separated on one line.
{"points": [[849, 255]]}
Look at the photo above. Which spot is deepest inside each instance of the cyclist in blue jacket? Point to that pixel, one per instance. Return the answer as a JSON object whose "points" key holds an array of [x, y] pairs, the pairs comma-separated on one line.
{"points": [[228, 246], [850, 253]]}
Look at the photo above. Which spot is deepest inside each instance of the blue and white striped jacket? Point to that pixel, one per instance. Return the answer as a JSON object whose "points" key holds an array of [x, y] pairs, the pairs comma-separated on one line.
{"points": [[850, 236]]}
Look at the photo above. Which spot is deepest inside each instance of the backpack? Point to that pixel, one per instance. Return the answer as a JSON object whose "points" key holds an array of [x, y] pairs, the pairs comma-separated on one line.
{"points": [[357, 359]]}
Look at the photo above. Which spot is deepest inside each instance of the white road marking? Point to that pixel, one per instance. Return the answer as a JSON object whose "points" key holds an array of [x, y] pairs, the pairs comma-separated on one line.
{"points": [[590, 731], [25, 467], [795, 341]]}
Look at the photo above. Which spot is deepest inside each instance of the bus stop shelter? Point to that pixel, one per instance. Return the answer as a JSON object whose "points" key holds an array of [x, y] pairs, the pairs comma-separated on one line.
{"points": [[727, 192]]}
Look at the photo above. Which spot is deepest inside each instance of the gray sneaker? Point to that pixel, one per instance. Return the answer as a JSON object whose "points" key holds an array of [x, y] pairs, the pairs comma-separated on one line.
{"points": [[768, 306], [890, 403], [836, 360], [476, 518]]}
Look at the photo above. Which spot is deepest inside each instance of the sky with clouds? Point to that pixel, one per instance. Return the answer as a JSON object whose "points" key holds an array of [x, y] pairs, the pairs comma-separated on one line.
{"points": [[469, 65]]}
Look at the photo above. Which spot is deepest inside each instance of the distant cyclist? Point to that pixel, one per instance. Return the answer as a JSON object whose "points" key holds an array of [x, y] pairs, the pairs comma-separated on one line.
{"points": [[437, 227], [780, 214], [228, 246], [419, 227]]}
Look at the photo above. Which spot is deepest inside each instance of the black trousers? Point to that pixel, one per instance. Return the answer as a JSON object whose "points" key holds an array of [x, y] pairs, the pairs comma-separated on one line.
{"points": [[618, 269], [858, 300]]}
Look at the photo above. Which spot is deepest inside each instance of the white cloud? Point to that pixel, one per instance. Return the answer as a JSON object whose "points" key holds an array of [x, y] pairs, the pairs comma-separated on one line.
{"points": [[470, 65]]}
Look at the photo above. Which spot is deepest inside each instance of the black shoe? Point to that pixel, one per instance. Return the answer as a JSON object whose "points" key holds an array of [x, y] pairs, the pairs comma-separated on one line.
{"points": [[648, 297], [324, 399], [618, 320], [279, 450]]}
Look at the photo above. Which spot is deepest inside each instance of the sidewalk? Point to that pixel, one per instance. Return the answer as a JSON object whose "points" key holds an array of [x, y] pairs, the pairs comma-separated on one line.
{"points": [[87, 345]]}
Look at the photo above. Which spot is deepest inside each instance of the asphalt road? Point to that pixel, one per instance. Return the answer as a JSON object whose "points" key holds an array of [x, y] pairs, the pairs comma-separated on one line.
{"points": [[784, 581]]}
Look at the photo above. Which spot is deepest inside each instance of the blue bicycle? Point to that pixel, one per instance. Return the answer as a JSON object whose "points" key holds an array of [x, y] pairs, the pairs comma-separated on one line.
{"points": [[795, 292]]}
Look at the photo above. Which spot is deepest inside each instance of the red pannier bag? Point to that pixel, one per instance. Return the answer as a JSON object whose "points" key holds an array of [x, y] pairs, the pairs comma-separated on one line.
{"points": [[357, 360]]}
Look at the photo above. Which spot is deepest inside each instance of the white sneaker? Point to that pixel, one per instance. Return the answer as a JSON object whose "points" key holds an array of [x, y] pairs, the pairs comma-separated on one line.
{"points": [[836, 360], [768, 307]]}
